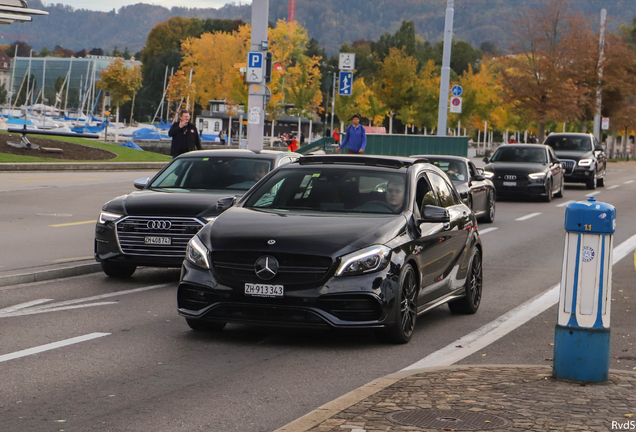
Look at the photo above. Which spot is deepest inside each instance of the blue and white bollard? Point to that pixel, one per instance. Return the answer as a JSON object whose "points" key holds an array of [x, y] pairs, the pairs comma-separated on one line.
{"points": [[582, 335]]}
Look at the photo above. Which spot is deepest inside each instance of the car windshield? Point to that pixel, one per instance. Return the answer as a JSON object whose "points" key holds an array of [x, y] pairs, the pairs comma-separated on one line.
{"points": [[519, 154], [212, 173], [339, 190], [455, 170], [569, 143]]}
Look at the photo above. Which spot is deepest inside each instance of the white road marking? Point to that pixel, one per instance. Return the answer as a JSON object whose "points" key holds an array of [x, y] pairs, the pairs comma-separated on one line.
{"points": [[565, 204], [487, 230], [593, 193], [613, 187], [506, 323], [48, 347], [65, 305], [23, 306], [629, 182], [526, 217]]}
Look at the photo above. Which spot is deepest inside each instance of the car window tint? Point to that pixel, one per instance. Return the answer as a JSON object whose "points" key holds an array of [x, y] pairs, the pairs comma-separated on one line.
{"points": [[213, 173], [444, 191], [455, 170], [569, 142], [519, 154], [424, 194], [332, 190]]}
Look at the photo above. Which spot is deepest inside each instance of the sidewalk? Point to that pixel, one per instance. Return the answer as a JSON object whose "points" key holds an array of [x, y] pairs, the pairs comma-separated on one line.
{"points": [[48, 272], [479, 398]]}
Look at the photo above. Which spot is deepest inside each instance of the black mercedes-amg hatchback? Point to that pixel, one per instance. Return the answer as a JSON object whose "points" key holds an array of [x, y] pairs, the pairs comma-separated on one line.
{"points": [[336, 241]]}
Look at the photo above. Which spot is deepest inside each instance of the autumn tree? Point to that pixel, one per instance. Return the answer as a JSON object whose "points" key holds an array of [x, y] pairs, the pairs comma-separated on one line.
{"points": [[394, 84], [535, 78], [181, 90], [356, 103], [121, 81]]}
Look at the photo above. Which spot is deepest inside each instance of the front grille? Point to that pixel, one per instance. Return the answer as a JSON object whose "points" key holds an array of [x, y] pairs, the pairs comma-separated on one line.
{"points": [[132, 231], [237, 267], [568, 166]]}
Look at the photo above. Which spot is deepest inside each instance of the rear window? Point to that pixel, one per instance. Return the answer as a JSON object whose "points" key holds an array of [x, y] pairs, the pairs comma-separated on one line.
{"points": [[332, 190], [569, 143], [456, 171], [519, 154], [230, 173]]}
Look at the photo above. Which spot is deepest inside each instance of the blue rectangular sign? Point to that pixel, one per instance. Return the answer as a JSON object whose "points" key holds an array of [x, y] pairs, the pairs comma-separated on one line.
{"points": [[346, 83], [255, 60]]}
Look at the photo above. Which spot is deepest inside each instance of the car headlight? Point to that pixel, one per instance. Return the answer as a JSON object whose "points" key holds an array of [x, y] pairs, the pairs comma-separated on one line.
{"points": [[537, 176], [489, 174], [108, 217], [197, 253], [586, 162], [364, 261]]}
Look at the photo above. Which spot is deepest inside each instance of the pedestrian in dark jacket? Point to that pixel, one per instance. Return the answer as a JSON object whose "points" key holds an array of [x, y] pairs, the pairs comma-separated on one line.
{"points": [[185, 136]]}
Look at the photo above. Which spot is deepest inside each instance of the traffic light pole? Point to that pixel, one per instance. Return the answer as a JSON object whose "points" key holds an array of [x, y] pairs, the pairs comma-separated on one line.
{"points": [[257, 91]]}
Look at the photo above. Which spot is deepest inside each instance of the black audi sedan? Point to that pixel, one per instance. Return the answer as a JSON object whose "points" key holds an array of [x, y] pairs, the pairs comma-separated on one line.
{"points": [[475, 190], [336, 242], [526, 170], [582, 157], [151, 227]]}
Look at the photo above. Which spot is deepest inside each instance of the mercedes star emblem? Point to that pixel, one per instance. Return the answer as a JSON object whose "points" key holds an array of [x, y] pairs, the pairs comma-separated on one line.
{"points": [[266, 267]]}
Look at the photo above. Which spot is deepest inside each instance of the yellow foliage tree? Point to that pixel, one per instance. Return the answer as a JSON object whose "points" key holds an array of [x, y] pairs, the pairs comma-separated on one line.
{"points": [[180, 91], [356, 103], [121, 81]]}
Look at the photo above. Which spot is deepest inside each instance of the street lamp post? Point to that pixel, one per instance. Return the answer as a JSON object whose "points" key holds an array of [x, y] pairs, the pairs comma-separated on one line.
{"points": [[442, 116]]}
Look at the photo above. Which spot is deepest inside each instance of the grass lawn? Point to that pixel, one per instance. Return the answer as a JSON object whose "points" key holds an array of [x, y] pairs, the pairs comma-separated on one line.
{"points": [[124, 154]]}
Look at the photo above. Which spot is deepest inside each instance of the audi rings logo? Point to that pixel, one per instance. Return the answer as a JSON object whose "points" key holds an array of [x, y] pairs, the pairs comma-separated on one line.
{"points": [[159, 224], [266, 267], [510, 177]]}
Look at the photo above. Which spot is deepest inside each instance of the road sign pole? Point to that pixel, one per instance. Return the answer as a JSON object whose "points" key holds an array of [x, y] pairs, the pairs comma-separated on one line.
{"points": [[333, 101], [257, 91], [599, 98], [442, 116]]}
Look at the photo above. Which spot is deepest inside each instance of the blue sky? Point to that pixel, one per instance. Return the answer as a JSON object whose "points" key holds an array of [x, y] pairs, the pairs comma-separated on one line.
{"points": [[116, 4]]}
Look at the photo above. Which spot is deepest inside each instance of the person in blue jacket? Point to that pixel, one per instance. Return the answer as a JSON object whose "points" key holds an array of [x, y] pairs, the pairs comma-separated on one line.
{"points": [[356, 138]]}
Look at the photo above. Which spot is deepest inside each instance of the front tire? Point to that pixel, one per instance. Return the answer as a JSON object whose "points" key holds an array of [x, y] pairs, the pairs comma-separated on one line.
{"points": [[548, 192], [205, 326], [591, 185], [474, 286], [490, 211], [405, 309], [600, 182], [118, 270], [561, 191]]}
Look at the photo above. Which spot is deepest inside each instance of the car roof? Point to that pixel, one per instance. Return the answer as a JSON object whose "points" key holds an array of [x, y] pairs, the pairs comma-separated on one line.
{"points": [[442, 157], [525, 146], [263, 154], [360, 160], [575, 134]]}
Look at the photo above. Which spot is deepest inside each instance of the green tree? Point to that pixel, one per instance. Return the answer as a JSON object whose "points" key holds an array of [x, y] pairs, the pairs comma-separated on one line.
{"points": [[45, 52]]}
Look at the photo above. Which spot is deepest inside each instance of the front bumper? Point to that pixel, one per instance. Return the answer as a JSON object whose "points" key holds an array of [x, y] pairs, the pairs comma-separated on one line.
{"points": [[522, 188], [580, 175], [343, 302], [107, 248]]}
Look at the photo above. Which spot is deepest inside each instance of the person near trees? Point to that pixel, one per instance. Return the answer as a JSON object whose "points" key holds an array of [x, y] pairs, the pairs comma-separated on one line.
{"points": [[222, 137], [184, 134], [355, 140]]}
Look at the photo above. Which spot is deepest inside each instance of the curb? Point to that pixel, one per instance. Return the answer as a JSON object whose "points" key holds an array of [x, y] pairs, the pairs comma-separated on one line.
{"points": [[45, 275], [330, 409], [83, 166]]}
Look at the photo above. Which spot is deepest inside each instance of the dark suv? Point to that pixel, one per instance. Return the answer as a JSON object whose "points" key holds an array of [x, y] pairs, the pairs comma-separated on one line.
{"points": [[151, 227], [582, 157]]}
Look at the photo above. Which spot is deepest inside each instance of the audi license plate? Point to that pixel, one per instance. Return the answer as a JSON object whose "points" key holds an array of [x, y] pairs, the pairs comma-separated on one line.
{"points": [[158, 240], [261, 290], [510, 183]]}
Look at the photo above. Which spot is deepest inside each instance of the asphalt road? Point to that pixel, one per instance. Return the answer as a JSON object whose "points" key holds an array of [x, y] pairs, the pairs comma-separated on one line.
{"points": [[139, 367], [48, 218]]}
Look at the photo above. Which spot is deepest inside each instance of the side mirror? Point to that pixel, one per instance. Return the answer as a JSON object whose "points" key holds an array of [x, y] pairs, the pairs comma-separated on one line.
{"points": [[479, 177], [225, 203], [140, 183], [599, 148], [486, 159], [434, 214]]}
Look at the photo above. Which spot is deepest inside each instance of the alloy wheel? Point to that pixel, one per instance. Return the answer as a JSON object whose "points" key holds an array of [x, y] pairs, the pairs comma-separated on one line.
{"points": [[408, 308]]}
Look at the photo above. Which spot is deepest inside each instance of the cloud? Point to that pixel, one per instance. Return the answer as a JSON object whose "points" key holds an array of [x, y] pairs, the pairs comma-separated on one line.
{"points": [[100, 5]]}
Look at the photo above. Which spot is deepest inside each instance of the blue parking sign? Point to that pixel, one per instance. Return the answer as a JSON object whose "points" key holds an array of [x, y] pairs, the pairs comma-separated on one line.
{"points": [[255, 60], [346, 83]]}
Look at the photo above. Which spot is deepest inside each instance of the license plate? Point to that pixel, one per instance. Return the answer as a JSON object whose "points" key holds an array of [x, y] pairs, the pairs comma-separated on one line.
{"points": [[510, 183], [260, 290], [158, 240]]}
